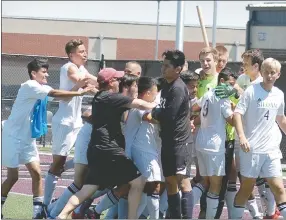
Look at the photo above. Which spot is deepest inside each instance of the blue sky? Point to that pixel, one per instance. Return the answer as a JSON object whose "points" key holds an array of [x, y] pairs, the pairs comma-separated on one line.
{"points": [[230, 13]]}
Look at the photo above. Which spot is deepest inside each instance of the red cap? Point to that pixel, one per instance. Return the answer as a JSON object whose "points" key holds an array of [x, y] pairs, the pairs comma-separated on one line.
{"points": [[108, 73]]}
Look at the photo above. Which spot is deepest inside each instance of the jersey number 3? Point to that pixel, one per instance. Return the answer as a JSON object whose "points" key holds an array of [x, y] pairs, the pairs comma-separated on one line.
{"points": [[206, 108], [266, 115]]}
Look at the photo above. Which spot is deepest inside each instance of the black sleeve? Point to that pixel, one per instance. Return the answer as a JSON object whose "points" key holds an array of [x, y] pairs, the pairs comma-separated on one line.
{"points": [[173, 103], [117, 100]]}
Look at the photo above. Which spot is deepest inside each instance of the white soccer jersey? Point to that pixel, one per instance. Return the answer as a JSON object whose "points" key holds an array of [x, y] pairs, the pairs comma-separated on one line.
{"points": [[259, 109], [211, 135], [18, 125], [244, 81], [140, 134], [69, 112]]}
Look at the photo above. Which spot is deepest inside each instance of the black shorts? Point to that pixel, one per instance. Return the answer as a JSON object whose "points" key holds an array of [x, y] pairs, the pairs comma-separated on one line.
{"points": [[175, 159], [109, 170]]}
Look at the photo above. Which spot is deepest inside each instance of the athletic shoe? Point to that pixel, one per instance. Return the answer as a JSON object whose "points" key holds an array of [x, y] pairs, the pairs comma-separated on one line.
{"points": [[77, 215]]}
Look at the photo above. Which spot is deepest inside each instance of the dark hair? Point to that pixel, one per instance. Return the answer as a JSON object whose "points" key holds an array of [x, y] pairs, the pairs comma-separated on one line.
{"points": [[72, 45], [145, 83], [160, 83], [176, 57], [127, 80], [188, 76], [234, 75], [36, 65], [255, 55], [225, 74]]}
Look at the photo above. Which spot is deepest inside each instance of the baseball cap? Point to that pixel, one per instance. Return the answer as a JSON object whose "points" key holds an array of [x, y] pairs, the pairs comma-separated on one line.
{"points": [[106, 74]]}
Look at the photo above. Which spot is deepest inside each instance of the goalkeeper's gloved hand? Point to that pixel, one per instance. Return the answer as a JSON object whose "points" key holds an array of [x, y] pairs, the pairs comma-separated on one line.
{"points": [[224, 91]]}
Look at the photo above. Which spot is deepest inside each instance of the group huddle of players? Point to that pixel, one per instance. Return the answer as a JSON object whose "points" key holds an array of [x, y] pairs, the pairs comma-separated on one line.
{"points": [[136, 143]]}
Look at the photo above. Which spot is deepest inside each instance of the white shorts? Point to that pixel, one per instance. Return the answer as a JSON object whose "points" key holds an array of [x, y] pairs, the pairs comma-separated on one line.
{"points": [[64, 138], [236, 155], [148, 164], [16, 152], [211, 165], [81, 144], [192, 152], [260, 165]]}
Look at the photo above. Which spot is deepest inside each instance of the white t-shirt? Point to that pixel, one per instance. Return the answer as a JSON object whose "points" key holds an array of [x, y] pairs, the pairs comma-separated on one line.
{"points": [[259, 109], [212, 135], [18, 125], [69, 112], [140, 134], [244, 81]]}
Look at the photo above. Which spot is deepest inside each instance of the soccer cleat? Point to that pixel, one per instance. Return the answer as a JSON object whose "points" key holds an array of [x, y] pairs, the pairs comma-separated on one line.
{"points": [[77, 215], [92, 214], [275, 216]]}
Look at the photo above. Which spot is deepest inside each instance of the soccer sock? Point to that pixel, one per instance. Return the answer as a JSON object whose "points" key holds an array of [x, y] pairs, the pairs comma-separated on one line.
{"points": [[237, 212], [122, 208], [271, 204], [3, 199], [64, 198], [253, 208], [37, 206], [99, 193], [282, 209], [198, 190], [163, 204], [153, 205], [108, 200], [262, 193], [142, 205], [144, 214], [69, 165], [112, 212], [50, 186], [187, 204], [212, 204], [174, 202], [230, 195]]}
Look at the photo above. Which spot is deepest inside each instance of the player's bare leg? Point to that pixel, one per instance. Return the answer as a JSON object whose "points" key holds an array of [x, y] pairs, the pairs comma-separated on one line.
{"points": [[79, 176], [245, 190], [6, 186], [35, 172], [86, 192], [55, 171], [134, 196], [277, 187]]}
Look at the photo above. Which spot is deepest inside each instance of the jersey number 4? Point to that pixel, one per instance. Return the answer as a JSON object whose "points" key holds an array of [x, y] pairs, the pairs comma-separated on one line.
{"points": [[266, 115], [206, 108]]}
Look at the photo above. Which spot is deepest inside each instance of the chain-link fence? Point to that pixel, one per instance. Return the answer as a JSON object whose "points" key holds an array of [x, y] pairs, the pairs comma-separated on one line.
{"points": [[14, 72]]}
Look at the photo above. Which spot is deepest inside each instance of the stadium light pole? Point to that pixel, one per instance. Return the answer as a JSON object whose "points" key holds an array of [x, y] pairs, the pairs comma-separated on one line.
{"points": [[180, 25], [214, 24], [157, 31]]}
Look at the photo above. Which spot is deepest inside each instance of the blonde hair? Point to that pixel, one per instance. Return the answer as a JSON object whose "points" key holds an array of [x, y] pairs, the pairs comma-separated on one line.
{"points": [[221, 50], [208, 50], [271, 63]]}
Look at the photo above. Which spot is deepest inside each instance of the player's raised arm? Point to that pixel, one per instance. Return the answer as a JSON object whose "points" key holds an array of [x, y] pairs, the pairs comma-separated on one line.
{"points": [[141, 104]]}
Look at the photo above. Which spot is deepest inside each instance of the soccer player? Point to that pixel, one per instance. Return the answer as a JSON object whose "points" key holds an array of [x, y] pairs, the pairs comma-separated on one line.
{"points": [[191, 80], [252, 61], [208, 57], [143, 146], [18, 140], [174, 118], [210, 143], [223, 56], [67, 121], [260, 106], [107, 164], [133, 67]]}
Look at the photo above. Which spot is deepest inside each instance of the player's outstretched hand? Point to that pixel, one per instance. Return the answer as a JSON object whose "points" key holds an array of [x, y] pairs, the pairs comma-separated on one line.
{"points": [[244, 144], [89, 89], [82, 83], [224, 91], [193, 127]]}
